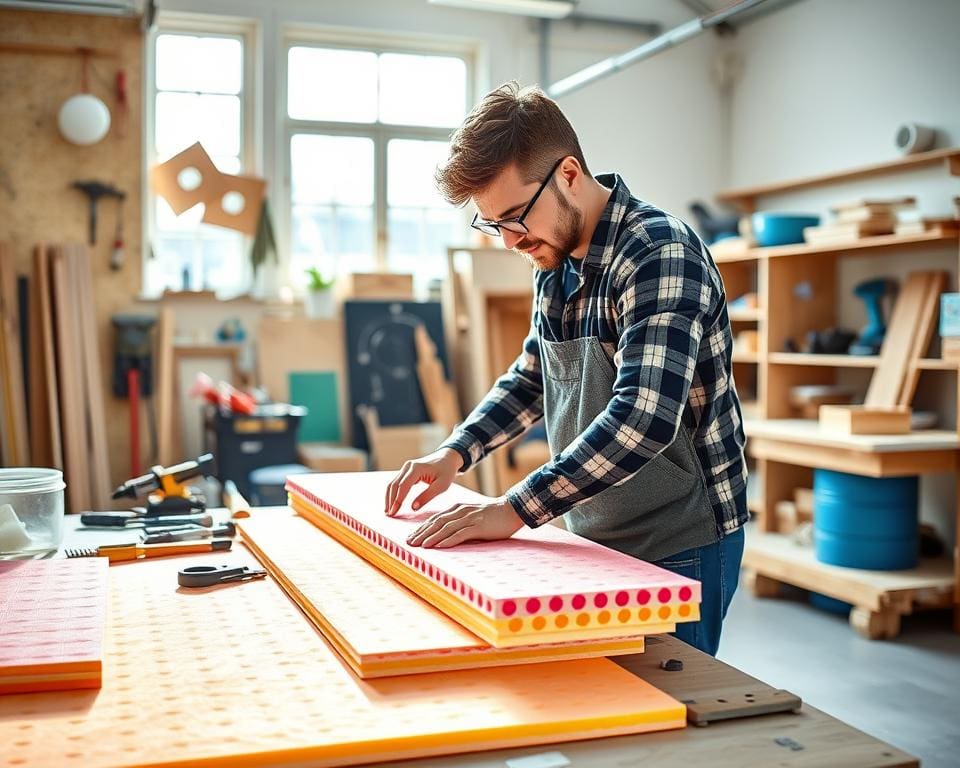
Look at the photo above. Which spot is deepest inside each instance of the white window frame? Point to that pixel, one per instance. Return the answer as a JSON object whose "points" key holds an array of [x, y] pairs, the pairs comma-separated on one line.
{"points": [[251, 154], [380, 133]]}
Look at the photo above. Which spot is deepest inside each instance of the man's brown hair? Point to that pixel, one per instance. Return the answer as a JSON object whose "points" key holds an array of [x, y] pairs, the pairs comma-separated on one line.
{"points": [[510, 125]]}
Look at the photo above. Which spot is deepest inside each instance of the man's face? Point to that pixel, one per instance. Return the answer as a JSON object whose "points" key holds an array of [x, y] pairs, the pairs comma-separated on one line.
{"points": [[554, 223]]}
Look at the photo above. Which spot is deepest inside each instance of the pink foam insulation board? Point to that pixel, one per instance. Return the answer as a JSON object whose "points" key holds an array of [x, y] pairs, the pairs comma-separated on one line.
{"points": [[52, 618], [546, 583]]}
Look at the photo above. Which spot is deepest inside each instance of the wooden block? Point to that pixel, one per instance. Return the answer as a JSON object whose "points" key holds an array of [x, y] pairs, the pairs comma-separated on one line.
{"points": [[787, 517], [250, 189], [375, 285], [324, 457], [861, 420], [950, 349], [803, 499], [732, 706]]}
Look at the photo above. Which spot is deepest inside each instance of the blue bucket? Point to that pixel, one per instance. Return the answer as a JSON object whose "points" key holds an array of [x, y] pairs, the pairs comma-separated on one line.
{"points": [[865, 522]]}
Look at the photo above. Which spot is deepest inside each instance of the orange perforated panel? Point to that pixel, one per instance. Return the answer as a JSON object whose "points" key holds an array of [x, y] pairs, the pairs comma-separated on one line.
{"points": [[235, 676], [378, 626]]}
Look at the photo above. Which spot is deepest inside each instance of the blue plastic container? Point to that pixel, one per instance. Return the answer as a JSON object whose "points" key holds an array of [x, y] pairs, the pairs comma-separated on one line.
{"points": [[865, 522], [771, 228], [830, 604]]}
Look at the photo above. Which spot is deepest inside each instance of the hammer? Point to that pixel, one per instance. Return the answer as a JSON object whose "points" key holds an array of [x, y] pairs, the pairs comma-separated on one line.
{"points": [[94, 190]]}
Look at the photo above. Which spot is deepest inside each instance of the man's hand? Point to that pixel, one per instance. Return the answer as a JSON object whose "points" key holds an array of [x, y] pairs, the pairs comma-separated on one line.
{"points": [[468, 522], [437, 470]]}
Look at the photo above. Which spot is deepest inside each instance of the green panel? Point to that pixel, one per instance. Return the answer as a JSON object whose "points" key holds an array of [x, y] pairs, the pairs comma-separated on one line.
{"points": [[317, 390]]}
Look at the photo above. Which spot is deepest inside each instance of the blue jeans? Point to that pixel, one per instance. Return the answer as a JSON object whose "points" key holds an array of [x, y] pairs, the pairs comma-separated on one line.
{"points": [[717, 568]]}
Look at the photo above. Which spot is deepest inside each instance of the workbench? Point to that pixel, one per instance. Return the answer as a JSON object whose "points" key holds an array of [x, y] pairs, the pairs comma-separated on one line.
{"points": [[806, 738]]}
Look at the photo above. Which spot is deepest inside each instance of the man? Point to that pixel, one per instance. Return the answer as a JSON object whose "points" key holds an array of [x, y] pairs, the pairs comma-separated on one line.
{"points": [[628, 361]]}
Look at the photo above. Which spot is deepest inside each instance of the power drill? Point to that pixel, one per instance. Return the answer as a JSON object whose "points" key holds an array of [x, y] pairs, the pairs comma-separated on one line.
{"points": [[167, 493]]}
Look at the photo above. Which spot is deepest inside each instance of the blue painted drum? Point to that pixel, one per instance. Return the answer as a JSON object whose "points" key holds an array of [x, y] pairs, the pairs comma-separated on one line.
{"points": [[865, 522]]}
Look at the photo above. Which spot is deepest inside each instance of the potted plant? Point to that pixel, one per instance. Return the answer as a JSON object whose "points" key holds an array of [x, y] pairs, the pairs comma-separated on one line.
{"points": [[318, 301]]}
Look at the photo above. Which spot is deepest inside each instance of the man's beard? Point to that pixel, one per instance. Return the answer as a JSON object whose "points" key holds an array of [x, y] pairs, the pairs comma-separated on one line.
{"points": [[566, 233]]}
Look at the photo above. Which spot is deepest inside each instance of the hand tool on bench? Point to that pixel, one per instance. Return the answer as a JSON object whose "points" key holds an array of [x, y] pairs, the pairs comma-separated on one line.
{"points": [[166, 489], [122, 552], [211, 575]]}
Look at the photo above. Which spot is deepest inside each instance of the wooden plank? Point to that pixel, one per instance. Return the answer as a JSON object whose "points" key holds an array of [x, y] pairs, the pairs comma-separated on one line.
{"points": [[438, 394], [929, 312], [71, 391], [165, 387], [44, 400], [14, 396], [746, 196], [887, 381], [93, 382]]}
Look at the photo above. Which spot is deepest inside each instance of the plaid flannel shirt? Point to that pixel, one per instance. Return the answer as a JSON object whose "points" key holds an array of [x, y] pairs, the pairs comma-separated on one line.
{"points": [[649, 291]]}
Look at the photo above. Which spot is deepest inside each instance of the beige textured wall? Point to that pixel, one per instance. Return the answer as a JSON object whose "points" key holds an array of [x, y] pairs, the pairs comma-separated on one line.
{"points": [[37, 165]]}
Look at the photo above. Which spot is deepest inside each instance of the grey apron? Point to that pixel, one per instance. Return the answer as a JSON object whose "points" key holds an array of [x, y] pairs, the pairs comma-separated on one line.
{"points": [[663, 509]]}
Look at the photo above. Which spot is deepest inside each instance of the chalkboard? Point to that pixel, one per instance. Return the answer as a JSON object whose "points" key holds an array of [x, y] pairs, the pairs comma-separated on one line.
{"points": [[382, 360]]}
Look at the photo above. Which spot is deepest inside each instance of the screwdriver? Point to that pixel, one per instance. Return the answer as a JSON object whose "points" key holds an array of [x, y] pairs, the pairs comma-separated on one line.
{"points": [[120, 552]]}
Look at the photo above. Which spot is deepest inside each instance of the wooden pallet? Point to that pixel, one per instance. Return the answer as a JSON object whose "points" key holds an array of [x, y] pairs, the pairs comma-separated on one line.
{"points": [[879, 598]]}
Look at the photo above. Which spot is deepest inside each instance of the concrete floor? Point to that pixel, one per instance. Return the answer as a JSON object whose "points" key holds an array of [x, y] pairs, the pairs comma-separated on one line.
{"points": [[904, 691]]}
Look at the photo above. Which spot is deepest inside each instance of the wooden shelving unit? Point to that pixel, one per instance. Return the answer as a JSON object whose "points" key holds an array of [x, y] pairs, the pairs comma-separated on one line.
{"points": [[746, 197], [784, 450], [852, 361]]}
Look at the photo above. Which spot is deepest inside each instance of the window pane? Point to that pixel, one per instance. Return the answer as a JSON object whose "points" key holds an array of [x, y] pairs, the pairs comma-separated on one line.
{"points": [[334, 239], [331, 169], [329, 84], [207, 64], [184, 118], [419, 238], [410, 168], [422, 90]]}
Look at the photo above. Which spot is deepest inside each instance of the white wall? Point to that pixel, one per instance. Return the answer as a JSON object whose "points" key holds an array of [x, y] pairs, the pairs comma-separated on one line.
{"points": [[825, 83]]}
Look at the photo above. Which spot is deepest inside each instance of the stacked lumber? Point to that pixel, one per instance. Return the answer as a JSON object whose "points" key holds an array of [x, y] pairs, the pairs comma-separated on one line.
{"points": [[67, 418], [858, 219]]}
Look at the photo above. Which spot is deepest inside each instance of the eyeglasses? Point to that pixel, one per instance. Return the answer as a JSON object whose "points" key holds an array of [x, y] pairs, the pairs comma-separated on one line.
{"points": [[514, 223]]}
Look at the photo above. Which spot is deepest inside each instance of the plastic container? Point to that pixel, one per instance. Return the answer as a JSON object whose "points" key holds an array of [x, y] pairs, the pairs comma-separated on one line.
{"points": [[31, 511], [772, 228], [865, 522]]}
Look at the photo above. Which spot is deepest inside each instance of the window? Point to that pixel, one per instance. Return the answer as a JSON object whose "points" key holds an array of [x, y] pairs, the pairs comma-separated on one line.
{"points": [[198, 93], [366, 128]]}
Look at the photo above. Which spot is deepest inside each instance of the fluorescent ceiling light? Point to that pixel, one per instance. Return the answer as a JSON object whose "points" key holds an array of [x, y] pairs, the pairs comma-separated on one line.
{"points": [[545, 9]]}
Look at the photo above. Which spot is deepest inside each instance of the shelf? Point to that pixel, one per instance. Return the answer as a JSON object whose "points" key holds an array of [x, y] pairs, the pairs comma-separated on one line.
{"points": [[809, 433], [744, 315], [745, 197], [746, 357], [862, 247], [776, 556], [852, 361]]}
